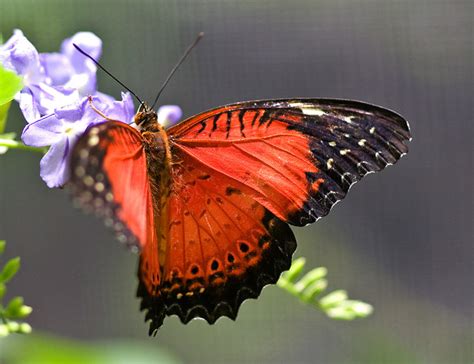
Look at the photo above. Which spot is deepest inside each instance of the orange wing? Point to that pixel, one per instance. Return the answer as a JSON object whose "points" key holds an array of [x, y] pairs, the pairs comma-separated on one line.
{"points": [[240, 173], [298, 157], [223, 247]]}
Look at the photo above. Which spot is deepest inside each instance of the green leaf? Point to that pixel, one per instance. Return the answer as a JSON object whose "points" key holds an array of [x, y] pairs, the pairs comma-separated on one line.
{"points": [[23, 312], [3, 289], [41, 348], [13, 326], [25, 328], [314, 289], [333, 298], [360, 309], [13, 307], [3, 115], [4, 330], [341, 313], [349, 310], [10, 269], [311, 277], [295, 270], [10, 84], [3, 243]]}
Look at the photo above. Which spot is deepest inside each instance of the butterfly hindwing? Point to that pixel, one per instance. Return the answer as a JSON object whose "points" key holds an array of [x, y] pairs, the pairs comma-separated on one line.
{"points": [[223, 247], [299, 157]]}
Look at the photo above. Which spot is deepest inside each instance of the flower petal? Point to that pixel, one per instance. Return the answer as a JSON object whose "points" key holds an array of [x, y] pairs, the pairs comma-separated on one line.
{"points": [[44, 132], [46, 99], [54, 165], [28, 106], [122, 110], [57, 67], [72, 112], [169, 115], [89, 43], [19, 55]]}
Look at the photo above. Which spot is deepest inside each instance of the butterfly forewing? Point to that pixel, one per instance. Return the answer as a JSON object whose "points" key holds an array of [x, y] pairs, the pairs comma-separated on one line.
{"points": [[299, 157]]}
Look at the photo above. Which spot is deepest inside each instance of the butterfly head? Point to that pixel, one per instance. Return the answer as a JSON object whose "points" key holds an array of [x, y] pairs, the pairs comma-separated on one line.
{"points": [[145, 117]]}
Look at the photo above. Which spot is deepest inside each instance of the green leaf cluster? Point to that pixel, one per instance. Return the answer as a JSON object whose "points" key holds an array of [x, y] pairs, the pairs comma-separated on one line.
{"points": [[310, 287], [15, 309]]}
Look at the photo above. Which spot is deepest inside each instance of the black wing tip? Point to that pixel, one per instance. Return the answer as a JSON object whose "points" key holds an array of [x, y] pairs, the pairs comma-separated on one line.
{"points": [[213, 304]]}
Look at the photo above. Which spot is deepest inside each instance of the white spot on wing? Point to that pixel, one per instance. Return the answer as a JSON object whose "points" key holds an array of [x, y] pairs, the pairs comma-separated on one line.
{"points": [[93, 140], [99, 186], [348, 119], [80, 171], [88, 181], [308, 109], [330, 163], [84, 153]]}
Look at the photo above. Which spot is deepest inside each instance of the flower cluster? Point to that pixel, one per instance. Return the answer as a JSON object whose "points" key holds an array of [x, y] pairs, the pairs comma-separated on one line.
{"points": [[55, 98]]}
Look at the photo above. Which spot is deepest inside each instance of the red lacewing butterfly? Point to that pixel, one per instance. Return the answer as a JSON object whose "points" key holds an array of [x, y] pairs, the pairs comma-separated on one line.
{"points": [[208, 202]]}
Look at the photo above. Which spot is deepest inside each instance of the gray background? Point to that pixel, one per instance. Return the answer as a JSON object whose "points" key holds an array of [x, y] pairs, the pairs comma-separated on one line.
{"points": [[401, 240]]}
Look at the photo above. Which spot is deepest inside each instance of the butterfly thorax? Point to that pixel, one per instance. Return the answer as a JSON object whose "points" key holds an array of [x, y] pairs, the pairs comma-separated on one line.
{"points": [[158, 156]]}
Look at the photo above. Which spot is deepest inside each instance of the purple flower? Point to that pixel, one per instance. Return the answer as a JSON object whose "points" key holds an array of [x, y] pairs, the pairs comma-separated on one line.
{"points": [[169, 115], [64, 127], [51, 80], [69, 68], [55, 98]]}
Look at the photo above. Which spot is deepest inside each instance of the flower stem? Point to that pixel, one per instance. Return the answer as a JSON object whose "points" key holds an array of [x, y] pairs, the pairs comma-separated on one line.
{"points": [[14, 144]]}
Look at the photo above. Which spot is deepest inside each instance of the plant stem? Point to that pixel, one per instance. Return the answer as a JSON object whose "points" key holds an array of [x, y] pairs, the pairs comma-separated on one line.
{"points": [[14, 144]]}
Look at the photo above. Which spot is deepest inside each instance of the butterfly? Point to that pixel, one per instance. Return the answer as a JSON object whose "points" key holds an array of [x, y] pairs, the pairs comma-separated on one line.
{"points": [[208, 202]]}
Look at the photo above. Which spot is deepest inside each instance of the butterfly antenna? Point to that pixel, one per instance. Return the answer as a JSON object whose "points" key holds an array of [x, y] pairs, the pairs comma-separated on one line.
{"points": [[111, 75], [175, 68]]}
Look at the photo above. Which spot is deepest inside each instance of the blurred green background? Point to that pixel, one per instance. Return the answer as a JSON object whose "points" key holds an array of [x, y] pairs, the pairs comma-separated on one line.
{"points": [[402, 239]]}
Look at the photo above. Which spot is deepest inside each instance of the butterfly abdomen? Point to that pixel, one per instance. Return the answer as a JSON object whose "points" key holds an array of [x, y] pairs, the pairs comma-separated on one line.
{"points": [[158, 156]]}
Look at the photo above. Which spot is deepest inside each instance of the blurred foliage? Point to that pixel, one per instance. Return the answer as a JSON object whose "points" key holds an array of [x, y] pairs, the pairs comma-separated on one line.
{"points": [[15, 309], [3, 115], [10, 84], [42, 348], [335, 305]]}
